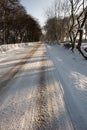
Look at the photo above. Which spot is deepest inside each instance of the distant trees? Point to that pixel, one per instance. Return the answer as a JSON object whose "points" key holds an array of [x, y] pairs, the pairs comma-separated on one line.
{"points": [[56, 29], [15, 24], [56, 24], [51, 31]]}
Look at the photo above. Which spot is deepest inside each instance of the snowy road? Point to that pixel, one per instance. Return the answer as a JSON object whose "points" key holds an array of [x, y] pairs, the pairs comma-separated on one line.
{"points": [[32, 96]]}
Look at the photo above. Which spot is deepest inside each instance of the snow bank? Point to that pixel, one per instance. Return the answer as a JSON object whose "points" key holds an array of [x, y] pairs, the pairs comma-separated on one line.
{"points": [[10, 47], [83, 47], [83, 50]]}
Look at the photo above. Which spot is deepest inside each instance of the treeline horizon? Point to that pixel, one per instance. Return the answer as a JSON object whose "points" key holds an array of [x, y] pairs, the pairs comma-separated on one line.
{"points": [[16, 25]]}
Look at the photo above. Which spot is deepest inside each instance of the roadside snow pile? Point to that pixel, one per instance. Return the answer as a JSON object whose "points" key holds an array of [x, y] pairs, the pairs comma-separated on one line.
{"points": [[84, 48], [10, 47], [68, 45]]}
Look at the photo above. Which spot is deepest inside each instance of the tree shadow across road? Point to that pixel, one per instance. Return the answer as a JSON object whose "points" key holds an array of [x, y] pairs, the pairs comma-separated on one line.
{"points": [[34, 92]]}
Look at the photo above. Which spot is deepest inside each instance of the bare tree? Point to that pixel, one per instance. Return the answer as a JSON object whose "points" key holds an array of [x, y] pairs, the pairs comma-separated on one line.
{"points": [[77, 19], [81, 24]]}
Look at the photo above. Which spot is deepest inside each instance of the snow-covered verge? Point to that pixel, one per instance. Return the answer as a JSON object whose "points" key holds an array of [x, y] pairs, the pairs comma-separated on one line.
{"points": [[71, 70], [11, 54], [10, 47]]}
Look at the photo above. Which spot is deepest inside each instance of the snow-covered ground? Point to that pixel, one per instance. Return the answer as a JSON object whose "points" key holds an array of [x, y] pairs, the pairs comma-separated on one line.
{"points": [[47, 90], [7, 53], [30, 98], [71, 70]]}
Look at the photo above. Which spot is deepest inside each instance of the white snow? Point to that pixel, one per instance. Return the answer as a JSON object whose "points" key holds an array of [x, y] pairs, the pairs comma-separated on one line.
{"points": [[71, 70], [11, 54]]}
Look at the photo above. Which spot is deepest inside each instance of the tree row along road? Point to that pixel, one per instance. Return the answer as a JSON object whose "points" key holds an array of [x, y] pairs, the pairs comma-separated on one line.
{"points": [[32, 98]]}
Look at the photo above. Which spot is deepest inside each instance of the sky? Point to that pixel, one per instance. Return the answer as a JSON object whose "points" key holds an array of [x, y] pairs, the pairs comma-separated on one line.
{"points": [[37, 8]]}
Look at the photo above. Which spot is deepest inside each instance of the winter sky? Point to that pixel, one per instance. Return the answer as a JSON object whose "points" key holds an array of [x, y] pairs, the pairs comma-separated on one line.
{"points": [[37, 8]]}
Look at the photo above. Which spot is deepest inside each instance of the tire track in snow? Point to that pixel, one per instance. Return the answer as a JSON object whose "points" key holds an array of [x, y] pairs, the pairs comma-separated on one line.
{"points": [[41, 122], [50, 111]]}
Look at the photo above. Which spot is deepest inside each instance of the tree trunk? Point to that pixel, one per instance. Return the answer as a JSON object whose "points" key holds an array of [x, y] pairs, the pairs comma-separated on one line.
{"points": [[79, 44], [80, 38], [73, 46], [4, 30]]}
